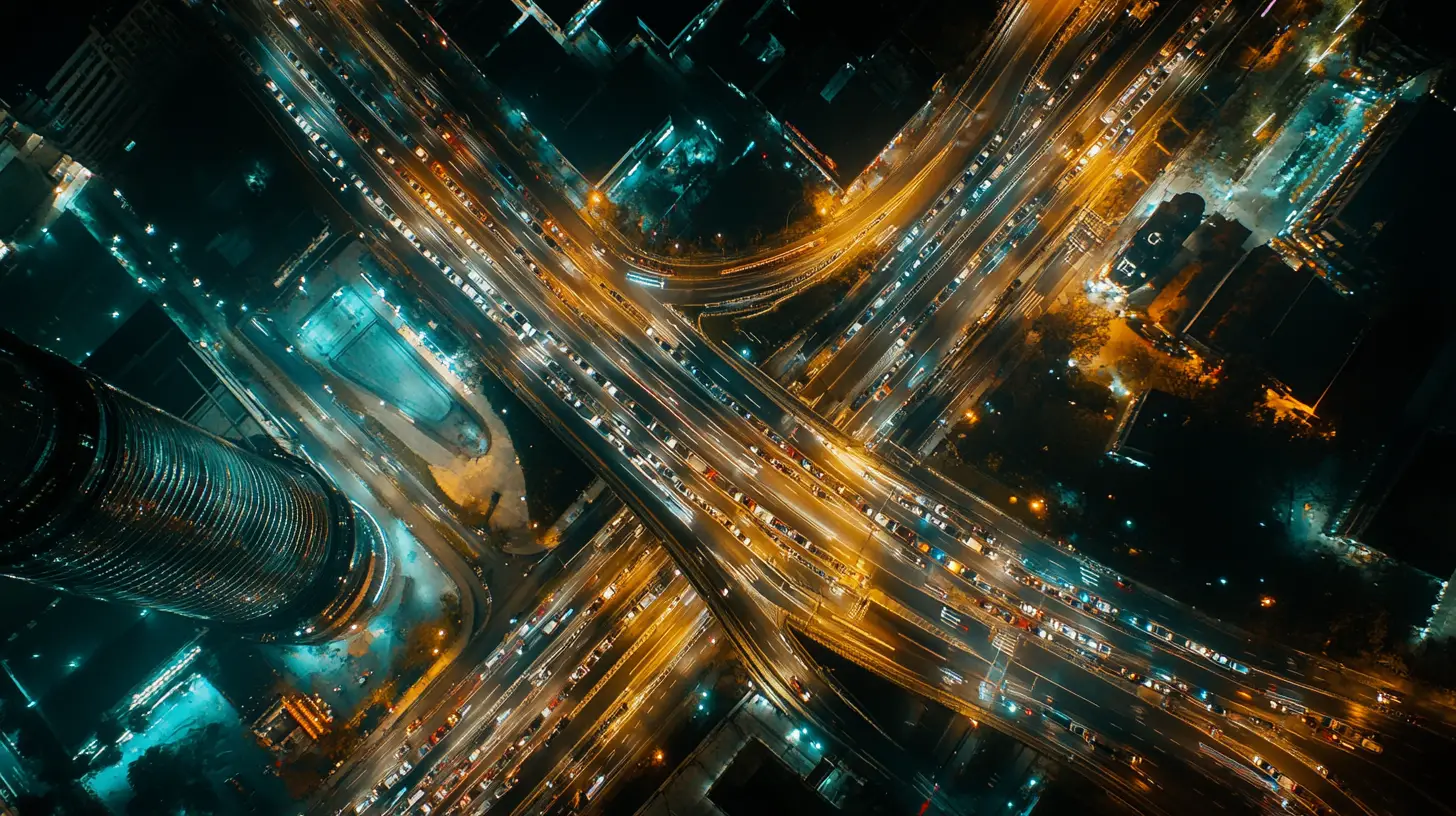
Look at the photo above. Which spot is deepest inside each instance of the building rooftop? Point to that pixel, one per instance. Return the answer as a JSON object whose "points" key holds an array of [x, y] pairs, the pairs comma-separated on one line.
{"points": [[151, 359], [592, 120], [478, 26], [1204, 262], [1152, 432], [1415, 520], [846, 83], [1396, 205], [758, 782], [75, 658], [1377, 219], [666, 19], [560, 11], [1148, 252], [62, 291], [1246, 307], [1312, 341]]}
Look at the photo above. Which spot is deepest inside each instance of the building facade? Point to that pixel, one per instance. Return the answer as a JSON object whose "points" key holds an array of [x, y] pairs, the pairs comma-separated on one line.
{"points": [[105, 496], [101, 90]]}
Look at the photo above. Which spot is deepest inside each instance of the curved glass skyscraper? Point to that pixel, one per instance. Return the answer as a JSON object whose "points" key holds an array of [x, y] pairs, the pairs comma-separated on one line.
{"points": [[105, 496]]}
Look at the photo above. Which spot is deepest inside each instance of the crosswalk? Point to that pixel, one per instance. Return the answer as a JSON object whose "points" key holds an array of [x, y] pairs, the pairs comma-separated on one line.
{"points": [[1005, 642], [986, 692]]}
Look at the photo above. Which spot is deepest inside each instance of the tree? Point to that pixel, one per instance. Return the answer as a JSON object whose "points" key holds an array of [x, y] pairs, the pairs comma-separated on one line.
{"points": [[171, 779], [65, 800]]}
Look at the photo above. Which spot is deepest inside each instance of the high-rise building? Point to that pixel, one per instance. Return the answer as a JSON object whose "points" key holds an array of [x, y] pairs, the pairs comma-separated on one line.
{"points": [[105, 496], [100, 91]]}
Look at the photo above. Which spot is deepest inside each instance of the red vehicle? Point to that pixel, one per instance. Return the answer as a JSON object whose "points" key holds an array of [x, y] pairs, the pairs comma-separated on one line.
{"points": [[439, 734], [798, 686]]}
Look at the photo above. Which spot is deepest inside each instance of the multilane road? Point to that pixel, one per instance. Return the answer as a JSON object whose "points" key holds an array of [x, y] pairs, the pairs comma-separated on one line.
{"points": [[768, 511]]}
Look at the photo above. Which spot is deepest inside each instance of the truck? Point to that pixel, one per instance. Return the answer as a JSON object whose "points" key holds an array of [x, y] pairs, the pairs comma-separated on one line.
{"points": [[647, 598], [697, 463], [995, 174], [763, 515], [1142, 10], [1152, 696]]}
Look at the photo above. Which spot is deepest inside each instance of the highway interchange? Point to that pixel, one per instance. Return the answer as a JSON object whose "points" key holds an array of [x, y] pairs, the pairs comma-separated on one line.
{"points": [[773, 516]]}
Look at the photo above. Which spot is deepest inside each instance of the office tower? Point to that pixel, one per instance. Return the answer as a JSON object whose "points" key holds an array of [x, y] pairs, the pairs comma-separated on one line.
{"points": [[105, 496]]}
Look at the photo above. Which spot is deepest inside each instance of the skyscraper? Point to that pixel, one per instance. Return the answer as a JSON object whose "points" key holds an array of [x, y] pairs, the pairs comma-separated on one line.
{"points": [[108, 497]]}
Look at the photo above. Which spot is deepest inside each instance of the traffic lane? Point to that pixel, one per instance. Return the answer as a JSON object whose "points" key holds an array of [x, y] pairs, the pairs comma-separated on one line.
{"points": [[1042, 161], [671, 704], [932, 639], [430, 51], [1106, 707], [965, 198], [449, 72], [922, 278], [498, 761], [1210, 684], [435, 704], [983, 286], [1394, 782], [522, 700], [921, 658], [498, 688], [1050, 561], [642, 686], [928, 655]]}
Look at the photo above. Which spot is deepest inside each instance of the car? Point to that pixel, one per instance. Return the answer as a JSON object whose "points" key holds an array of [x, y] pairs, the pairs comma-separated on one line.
{"points": [[798, 686]]}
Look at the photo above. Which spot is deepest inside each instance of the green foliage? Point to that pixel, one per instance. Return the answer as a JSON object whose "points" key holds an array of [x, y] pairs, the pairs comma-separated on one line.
{"points": [[171, 780]]}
